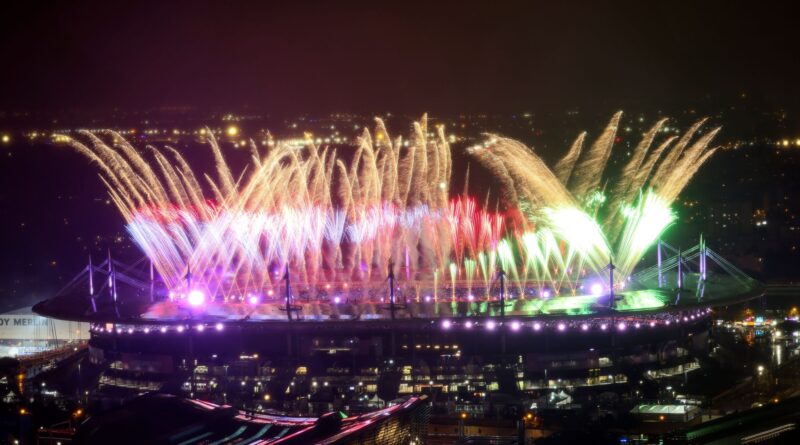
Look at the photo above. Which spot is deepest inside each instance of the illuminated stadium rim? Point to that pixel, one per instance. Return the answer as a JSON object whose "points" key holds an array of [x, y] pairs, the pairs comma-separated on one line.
{"points": [[378, 315], [686, 305], [511, 324]]}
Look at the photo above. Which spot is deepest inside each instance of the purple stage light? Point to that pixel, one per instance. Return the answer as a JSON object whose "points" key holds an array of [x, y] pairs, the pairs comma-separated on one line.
{"points": [[196, 298], [446, 324]]}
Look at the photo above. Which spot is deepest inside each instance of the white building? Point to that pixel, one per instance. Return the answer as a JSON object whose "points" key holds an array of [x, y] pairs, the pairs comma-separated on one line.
{"points": [[22, 332]]}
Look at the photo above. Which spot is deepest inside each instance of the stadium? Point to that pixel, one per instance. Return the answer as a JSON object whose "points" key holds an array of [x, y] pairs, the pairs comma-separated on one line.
{"points": [[329, 280]]}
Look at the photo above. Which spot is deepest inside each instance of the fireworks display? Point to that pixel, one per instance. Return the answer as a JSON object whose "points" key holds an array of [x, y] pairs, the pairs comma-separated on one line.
{"points": [[337, 224], [599, 222]]}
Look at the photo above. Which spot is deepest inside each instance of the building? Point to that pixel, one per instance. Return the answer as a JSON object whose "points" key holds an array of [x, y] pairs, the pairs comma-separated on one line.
{"points": [[23, 333]]}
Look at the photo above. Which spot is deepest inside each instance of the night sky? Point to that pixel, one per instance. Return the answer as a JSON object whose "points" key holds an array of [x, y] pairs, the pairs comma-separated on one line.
{"points": [[405, 56]]}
